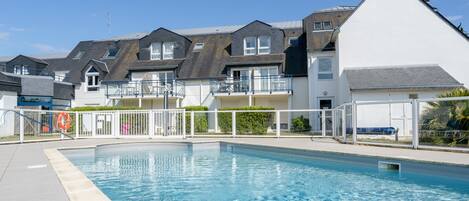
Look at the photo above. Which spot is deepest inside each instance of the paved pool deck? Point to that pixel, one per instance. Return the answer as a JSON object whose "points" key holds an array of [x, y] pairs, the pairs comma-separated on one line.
{"points": [[26, 174]]}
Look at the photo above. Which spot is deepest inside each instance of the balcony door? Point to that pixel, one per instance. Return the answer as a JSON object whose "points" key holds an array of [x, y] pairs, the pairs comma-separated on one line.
{"points": [[241, 80], [264, 77]]}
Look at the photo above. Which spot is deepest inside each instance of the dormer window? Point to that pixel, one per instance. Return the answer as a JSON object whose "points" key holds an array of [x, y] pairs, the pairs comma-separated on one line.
{"points": [[155, 51], [21, 70], [323, 26], [111, 53], [264, 45], [250, 46], [167, 48], [92, 79], [257, 45]]}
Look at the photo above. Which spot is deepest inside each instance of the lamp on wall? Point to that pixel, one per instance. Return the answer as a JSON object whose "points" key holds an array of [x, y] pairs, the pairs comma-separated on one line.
{"points": [[325, 93]]}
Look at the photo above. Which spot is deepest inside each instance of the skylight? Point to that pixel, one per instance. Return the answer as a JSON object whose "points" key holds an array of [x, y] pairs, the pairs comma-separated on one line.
{"points": [[198, 46], [79, 55], [112, 52]]}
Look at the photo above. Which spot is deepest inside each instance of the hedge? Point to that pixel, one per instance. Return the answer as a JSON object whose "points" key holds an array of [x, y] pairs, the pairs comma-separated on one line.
{"points": [[200, 119], [256, 123]]}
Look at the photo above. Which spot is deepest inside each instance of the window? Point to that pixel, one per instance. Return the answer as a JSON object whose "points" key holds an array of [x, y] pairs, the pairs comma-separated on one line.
{"points": [[168, 50], [327, 25], [322, 26], [318, 26], [21, 70], [111, 53], [250, 46], [198, 46], [17, 70], [155, 51], [92, 79], [325, 69], [79, 55], [162, 51], [264, 45], [24, 70], [293, 41], [257, 45]]}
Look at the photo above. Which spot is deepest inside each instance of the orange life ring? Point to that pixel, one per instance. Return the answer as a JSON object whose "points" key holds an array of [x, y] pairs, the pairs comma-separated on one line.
{"points": [[64, 121]]}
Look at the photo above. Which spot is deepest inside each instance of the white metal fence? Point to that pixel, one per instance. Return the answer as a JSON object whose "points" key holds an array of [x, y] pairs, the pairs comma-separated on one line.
{"points": [[437, 122], [136, 123]]}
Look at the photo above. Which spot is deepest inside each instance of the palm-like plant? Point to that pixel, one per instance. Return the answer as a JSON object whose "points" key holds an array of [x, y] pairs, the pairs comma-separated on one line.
{"points": [[448, 114]]}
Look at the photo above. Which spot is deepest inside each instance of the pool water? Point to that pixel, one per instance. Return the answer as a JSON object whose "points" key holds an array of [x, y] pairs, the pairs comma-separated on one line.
{"points": [[234, 172]]}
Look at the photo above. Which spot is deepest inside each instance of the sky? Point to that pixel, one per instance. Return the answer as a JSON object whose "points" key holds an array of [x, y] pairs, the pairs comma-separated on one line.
{"points": [[53, 27]]}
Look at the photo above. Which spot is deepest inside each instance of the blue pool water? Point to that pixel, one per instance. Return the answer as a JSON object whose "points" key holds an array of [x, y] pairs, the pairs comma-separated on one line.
{"points": [[233, 172]]}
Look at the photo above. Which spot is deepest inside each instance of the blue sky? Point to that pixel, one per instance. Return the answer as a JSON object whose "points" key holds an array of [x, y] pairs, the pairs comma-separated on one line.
{"points": [[54, 27]]}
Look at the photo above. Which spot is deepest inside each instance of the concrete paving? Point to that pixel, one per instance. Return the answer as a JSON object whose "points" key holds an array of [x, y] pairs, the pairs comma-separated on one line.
{"points": [[26, 174]]}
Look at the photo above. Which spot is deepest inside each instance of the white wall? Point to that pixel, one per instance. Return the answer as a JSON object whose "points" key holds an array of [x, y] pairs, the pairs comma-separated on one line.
{"points": [[198, 94], [401, 32], [8, 100], [89, 98], [396, 115], [322, 88]]}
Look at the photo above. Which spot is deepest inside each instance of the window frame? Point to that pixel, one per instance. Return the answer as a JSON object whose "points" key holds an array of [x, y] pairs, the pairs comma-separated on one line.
{"points": [[330, 25], [107, 55], [156, 56], [253, 49], [259, 47], [164, 53], [330, 72], [94, 80]]}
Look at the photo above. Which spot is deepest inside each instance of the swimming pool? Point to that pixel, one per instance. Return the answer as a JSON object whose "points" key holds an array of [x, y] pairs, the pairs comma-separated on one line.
{"points": [[219, 171]]}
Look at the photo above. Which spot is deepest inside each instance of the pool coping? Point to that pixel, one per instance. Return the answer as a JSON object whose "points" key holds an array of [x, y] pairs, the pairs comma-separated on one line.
{"points": [[73, 180]]}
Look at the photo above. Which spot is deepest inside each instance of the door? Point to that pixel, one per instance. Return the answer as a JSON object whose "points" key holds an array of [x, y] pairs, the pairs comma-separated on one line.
{"points": [[241, 80], [326, 103]]}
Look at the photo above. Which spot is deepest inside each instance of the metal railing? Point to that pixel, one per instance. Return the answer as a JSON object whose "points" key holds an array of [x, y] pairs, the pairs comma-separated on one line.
{"points": [[437, 123], [144, 88], [269, 84]]}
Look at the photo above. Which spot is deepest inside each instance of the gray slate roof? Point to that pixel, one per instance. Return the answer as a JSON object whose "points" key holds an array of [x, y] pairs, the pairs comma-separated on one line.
{"points": [[400, 77]]}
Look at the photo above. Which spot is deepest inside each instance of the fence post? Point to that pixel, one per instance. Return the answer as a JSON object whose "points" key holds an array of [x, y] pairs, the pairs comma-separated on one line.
{"points": [[151, 124], [77, 125], [344, 124], [117, 122], [277, 125], [415, 122], [323, 122], [184, 124], [21, 126], [233, 123], [216, 120], [192, 124], [354, 122], [93, 124], [333, 116]]}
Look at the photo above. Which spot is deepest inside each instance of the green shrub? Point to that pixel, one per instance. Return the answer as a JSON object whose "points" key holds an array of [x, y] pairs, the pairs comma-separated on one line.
{"points": [[246, 122], [300, 124], [200, 119]]}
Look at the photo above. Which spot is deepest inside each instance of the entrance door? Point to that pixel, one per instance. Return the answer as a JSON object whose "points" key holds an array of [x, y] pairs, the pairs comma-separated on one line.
{"points": [[326, 104]]}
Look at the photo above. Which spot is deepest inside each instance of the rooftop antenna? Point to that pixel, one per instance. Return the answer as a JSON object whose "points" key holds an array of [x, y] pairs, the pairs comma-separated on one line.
{"points": [[108, 22]]}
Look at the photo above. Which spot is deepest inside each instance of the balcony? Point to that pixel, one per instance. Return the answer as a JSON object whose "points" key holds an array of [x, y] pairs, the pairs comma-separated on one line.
{"points": [[142, 89], [252, 85]]}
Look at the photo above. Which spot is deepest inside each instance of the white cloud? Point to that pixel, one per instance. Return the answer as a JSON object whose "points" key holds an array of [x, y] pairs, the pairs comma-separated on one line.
{"points": [[17, 29], [47, 49], [455, 18], [4, 35]]}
